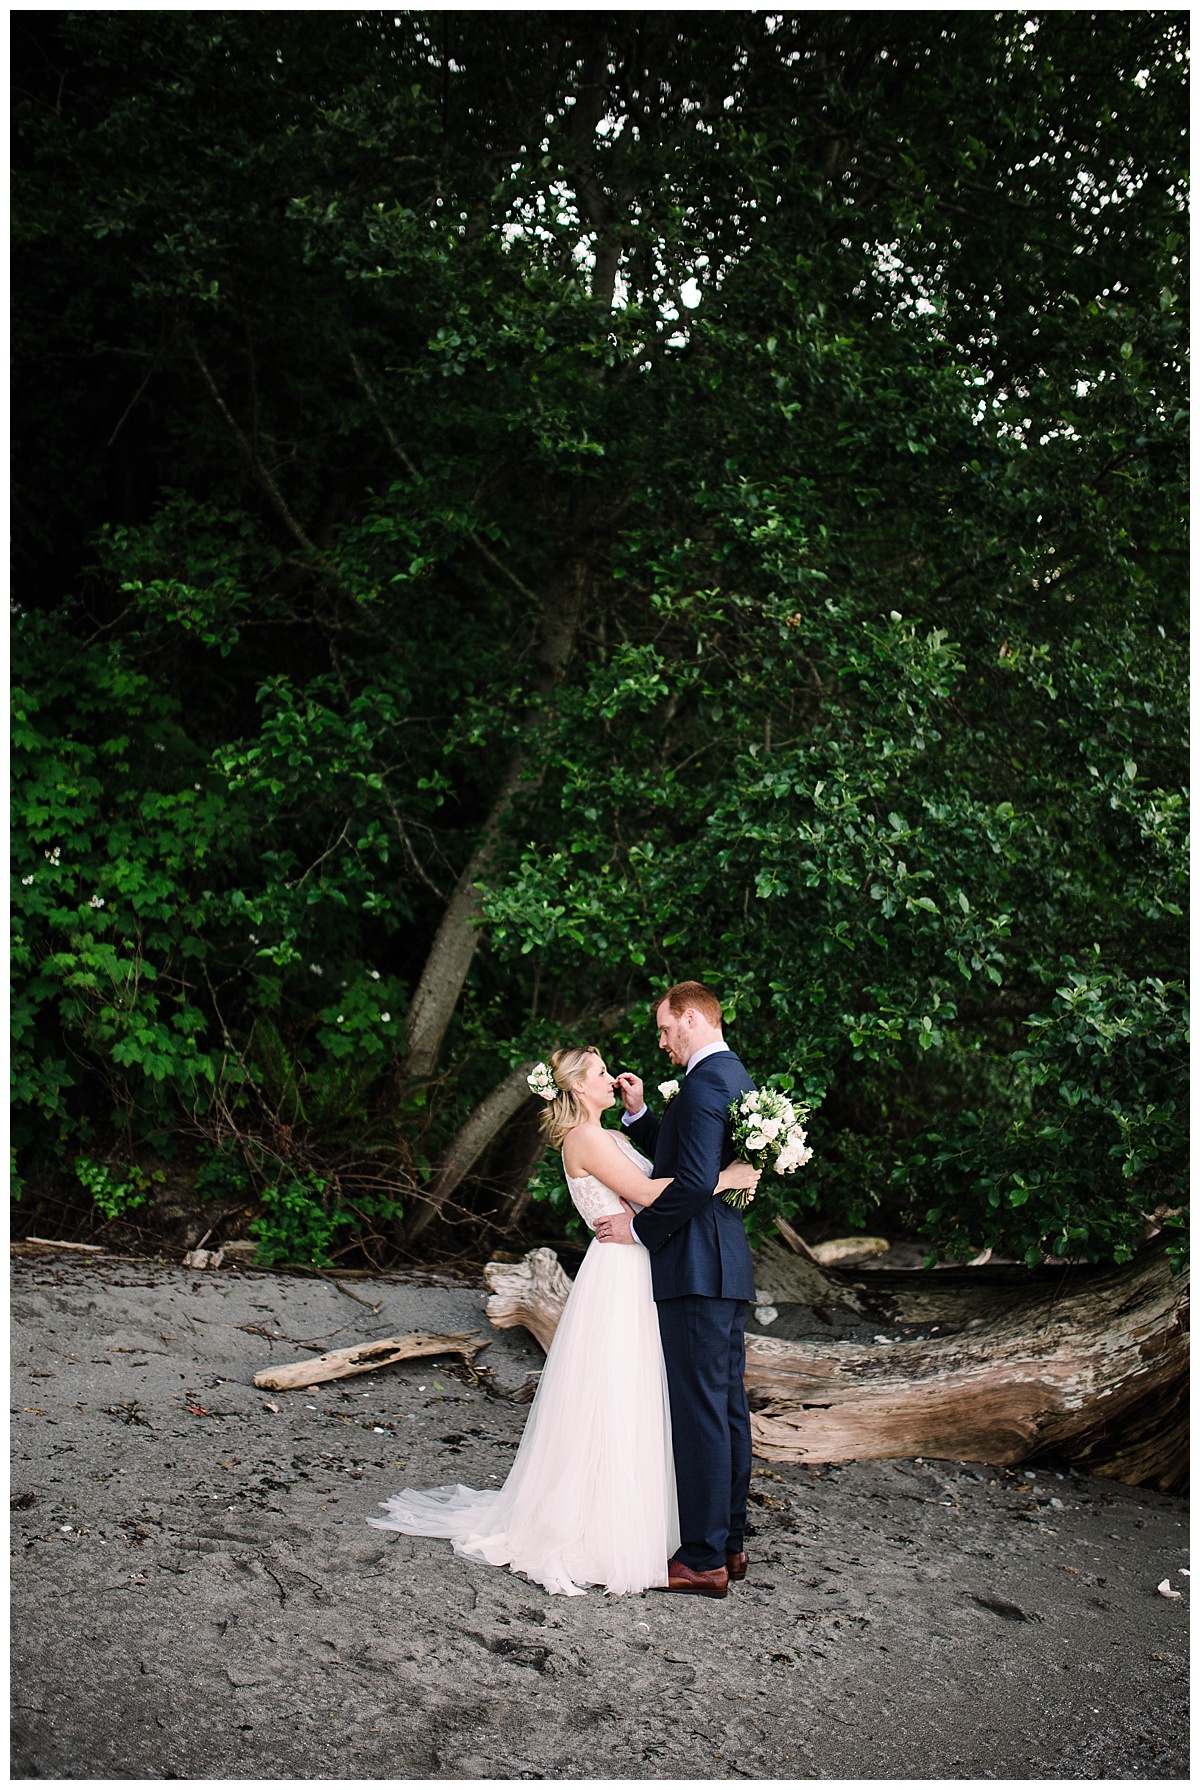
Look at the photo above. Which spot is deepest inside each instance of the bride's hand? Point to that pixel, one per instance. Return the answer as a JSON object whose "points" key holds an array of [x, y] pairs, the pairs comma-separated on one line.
{"points": [[738, 1174]]}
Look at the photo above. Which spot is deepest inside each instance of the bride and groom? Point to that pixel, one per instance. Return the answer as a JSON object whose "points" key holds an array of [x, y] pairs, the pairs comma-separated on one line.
{"points": [[634, 1466]]}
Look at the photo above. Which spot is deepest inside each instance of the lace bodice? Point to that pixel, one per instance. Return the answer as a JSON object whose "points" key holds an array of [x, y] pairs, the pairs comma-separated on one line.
{"points": [[592, 1198]]}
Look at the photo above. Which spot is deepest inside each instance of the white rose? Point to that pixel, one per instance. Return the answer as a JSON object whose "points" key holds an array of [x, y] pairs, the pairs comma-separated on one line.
{"points": [[751, 1103], [756, 1141], [770, 1128], [668, 1089], [795, 1153]]}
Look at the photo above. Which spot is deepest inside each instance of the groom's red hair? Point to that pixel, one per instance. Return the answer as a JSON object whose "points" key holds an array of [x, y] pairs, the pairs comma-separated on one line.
{"points": [[692, 994]]}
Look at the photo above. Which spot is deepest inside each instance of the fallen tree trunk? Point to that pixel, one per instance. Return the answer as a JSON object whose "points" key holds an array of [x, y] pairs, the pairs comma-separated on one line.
{"points": [[366, 1358], [1083, 1365], [1090, 1371]]}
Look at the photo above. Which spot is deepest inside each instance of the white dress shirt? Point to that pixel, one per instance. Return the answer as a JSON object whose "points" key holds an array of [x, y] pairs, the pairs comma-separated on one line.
{"points": [[697, 1056]]}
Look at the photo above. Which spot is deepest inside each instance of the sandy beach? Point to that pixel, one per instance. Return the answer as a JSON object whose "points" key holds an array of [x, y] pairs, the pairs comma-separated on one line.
{"points": [[196, 1592]]}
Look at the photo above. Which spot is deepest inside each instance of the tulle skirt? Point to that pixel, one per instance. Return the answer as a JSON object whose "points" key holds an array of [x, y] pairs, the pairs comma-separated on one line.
{"points": [[590, 1499]]}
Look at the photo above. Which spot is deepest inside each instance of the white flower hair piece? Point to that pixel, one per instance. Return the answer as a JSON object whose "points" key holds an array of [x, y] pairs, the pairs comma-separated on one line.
{"points": [[541, 1082]]}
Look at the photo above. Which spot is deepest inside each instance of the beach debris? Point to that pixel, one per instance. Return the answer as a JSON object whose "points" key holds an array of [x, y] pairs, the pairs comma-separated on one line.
{"points": [[204, 1258], [841, 1249], [515, 1395], [1092, 1369], [793, 1276], [793, 1239], [21, 1500], [55, 1243], [336, 1280], [531, 1292], [766, 1314], [1164, 1590], [340, 1364], [129, 1411]]}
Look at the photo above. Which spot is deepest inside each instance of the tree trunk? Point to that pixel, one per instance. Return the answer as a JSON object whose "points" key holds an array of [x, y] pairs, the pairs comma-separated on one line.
{"points": [[595, 203], [1083, 1365], [525, 1149], [454, 944], [485, 1123], [488, 1118], [457, 938]]}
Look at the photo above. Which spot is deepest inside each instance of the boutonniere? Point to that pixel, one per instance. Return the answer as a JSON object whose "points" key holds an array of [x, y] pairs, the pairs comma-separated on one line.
{"points": [[668, 1090]]}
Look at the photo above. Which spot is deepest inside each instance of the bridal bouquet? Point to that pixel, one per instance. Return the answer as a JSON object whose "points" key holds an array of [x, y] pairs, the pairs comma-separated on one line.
{"points": [[768, 1131]]}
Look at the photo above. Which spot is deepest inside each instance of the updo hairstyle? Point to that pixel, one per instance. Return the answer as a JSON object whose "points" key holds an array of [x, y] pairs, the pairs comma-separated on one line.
{"points": [[566, 1110]]}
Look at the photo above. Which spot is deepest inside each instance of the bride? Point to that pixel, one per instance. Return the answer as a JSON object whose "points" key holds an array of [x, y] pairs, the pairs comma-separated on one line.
{"points": [[590, 1499]]}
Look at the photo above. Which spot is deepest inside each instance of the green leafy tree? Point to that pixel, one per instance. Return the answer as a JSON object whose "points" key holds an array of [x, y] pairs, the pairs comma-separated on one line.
{"points": [[612, 499]]}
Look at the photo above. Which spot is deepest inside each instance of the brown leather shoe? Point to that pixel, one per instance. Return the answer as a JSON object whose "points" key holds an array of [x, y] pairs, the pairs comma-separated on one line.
{"points": [[714, 1583], [735, 1566]]}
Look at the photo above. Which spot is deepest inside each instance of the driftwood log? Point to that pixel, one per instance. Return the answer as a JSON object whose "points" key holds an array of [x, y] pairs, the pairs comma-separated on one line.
{"points": [[531, 1292], [54, 1243], [340, 1364], [1079, 1364]]}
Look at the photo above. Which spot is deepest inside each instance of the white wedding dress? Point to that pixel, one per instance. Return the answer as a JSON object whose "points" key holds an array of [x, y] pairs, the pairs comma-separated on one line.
{"points": [[590, 1499]]}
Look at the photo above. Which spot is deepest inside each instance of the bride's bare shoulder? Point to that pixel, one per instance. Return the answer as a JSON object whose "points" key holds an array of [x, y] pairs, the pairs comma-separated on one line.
{"points": [[577, 1155]]}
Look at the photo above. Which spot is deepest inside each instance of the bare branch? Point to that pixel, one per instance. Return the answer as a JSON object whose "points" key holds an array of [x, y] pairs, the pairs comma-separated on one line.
{"points": [[263, 477], [410, 467], [129, 408], [406, 842]]}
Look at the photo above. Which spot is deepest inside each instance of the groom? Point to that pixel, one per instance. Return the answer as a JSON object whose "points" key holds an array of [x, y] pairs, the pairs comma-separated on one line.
{"points": [[703, 1279]]}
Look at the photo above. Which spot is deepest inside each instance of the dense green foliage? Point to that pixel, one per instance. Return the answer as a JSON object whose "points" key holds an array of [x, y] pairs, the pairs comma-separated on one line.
{"points": [[519, 508]]}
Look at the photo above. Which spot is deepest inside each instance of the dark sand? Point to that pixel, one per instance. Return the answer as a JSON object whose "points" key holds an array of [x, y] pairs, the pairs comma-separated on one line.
{"points": [[196, 1593]]}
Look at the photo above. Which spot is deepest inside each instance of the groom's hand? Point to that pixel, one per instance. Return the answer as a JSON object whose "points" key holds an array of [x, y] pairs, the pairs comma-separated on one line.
{"points": [[629, 1087], [616, 1229]]}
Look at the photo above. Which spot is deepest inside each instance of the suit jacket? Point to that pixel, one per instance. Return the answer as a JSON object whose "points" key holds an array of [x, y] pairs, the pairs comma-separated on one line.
{"points": [[697, 1243]]}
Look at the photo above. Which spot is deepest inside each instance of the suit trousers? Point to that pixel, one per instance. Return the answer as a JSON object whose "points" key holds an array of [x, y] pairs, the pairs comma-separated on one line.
{"points": [[704, 1348]]}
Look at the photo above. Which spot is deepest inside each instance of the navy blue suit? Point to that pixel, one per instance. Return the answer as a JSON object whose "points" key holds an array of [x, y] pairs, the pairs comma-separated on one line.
{"points": [[703, 1278]]}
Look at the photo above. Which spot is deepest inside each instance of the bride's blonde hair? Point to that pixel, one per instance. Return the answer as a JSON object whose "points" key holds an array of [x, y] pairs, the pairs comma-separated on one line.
{"points": [[566, 1110]]}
